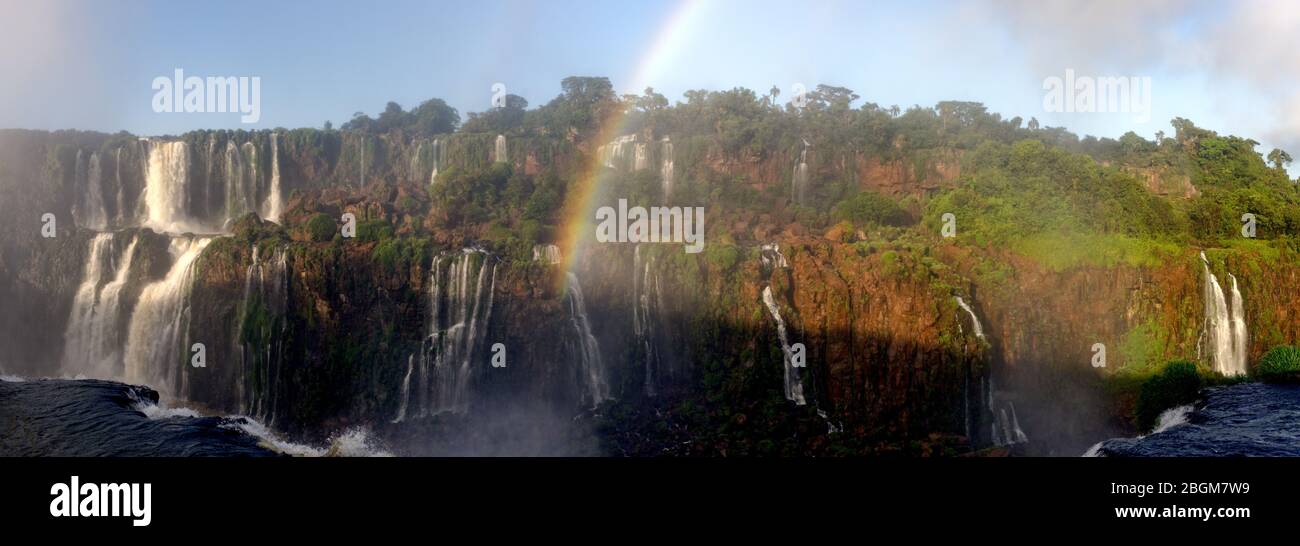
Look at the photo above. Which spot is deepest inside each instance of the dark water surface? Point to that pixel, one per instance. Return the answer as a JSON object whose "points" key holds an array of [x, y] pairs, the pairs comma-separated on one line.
{"points": [[92, 418], [1246, 420]]}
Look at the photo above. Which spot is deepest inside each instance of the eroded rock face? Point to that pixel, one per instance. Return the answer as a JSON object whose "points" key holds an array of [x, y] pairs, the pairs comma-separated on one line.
{"points": [[314, 336]]}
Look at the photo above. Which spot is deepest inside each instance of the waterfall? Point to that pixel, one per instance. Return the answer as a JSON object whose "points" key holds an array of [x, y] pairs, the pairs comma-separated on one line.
{"points": [[92, 340], [121, 191], [1225, 326], [155, 348], [593, 366], [266, 289], [975, 321], [793, 385], [417, 157], [548, 254], [666, 168], [461, 297], [406, 389], [274, 205], [166, 183], [646, 293], [500, 155], [769, 257], [614, 154], [437, 152], [640, 157], [95, 216], [799, 180], [1240, 339]]}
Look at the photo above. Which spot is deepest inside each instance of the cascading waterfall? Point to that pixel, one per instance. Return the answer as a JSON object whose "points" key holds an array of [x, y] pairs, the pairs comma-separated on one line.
{"points": [[95, 216], [416, 166], [666, 167], [406, 389], [166, 184], [799, 180], [266, 289], [979, 333], [437, 156], [770, 256], [614, 154], [645, 293], [975, 321], [155, 347], [793, 384], [1240, 339], [461, 297], [92, 341], [640, 157], [1225, 326], [500, 155], [274, 205], [593, 366], [121, 188]]}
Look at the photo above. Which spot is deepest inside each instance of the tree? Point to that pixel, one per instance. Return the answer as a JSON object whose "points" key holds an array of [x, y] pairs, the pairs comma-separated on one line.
{"points": [[1279, 159], [435, 117], [499, 119], [392, 118], [359, 122], [832, 97]]}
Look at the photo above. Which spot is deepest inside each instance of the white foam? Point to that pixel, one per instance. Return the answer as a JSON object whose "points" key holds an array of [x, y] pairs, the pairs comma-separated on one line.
{"points": [[1173, 417], [1169, 418], [354, 442]]}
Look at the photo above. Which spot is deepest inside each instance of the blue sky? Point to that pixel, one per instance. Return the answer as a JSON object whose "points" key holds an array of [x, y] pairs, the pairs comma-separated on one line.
{"points": [[89, 65]]}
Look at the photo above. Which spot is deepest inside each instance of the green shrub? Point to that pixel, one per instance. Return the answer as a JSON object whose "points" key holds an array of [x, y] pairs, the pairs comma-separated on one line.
{"points": [[1177, 384], [870, 208], [374, 230], [1281, 363], [321, 228]]}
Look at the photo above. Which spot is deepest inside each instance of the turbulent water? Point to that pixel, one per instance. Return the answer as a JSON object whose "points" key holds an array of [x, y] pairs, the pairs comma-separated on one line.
{"points": [[94, 418], [86, 418], [1250, 419]]}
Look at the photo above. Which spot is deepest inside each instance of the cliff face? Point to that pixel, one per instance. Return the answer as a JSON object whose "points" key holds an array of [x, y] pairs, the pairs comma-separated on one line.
{"points": [[1043, 325], [650, 349]]}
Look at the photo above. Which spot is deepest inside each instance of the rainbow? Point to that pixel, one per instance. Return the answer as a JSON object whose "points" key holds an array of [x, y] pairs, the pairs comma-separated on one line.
{"points": [[666, 47]]}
